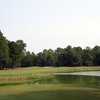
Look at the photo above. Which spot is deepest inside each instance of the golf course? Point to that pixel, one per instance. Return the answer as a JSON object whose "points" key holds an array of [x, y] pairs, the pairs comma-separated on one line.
{"points": [[34, 83]]}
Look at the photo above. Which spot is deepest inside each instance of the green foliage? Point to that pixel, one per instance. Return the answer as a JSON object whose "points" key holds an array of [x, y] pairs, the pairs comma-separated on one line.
{"points": [[10, 52], [87, 57], [13, 54], [4, 56], [64, 57]]}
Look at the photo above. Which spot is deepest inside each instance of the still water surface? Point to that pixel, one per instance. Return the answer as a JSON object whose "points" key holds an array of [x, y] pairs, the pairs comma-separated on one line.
{"points": [[77, 78], [86, 73]]}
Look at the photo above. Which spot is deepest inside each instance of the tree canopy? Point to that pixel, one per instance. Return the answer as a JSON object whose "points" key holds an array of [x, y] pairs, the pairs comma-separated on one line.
{"points": [[68, 56], [13, 54], [10, 52]]}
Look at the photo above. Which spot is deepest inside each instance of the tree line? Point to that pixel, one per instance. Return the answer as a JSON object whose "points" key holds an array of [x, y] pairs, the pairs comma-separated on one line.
{"points": [[13, 54], [68, 56]]}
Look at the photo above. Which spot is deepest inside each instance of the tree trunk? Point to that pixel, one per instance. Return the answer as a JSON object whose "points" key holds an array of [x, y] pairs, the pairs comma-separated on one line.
{"points": [[0, 67], [6, 67]]}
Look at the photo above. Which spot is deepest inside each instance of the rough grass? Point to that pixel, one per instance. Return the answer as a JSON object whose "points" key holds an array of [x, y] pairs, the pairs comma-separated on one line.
{"points": [[49, 92]]}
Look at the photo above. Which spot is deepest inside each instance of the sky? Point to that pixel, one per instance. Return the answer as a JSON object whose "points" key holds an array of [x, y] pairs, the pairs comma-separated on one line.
{"points": [[45, 24]]}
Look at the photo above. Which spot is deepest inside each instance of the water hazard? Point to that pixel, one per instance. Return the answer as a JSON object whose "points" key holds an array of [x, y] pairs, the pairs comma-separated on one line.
{"points": [[77, 78]]}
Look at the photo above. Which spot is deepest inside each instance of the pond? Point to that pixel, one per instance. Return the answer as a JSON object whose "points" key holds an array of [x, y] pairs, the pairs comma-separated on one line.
{"points": [[77, 78]]}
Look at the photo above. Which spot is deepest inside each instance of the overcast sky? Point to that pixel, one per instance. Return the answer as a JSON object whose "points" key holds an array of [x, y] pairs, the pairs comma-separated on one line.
{"points": [[44, 24]]}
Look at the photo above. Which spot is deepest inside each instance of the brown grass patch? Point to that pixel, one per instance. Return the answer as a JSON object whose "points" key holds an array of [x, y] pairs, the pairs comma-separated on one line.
{"points": [[12, 69]]}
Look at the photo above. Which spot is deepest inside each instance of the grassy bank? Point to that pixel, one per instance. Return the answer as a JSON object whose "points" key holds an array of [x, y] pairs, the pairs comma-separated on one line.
{"points": [[24, 74]]}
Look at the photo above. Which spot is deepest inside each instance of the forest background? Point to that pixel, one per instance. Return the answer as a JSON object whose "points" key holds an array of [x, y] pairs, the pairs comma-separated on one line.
{"points": [[13, 55]]}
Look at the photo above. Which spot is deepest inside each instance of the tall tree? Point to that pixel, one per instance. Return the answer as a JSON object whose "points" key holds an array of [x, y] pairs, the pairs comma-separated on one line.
{"points": [[21, 47], [69, 56], [87, 57], [96, 55], [44, 56], [78, 56], [4, 53], [59, 56], [14, 53], [50, 58], [40, 58]]}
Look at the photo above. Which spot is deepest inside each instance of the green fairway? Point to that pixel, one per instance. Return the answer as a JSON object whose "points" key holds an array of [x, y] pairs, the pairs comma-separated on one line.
{"points": [[44, 91], [49, 92]]}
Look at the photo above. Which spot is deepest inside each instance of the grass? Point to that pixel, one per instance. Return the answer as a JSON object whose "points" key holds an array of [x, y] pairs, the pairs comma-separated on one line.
{"points": [[47, 91]]}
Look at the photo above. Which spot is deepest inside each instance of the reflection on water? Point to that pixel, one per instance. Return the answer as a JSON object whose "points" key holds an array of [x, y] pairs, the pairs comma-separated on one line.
{"points": [[82, 78], [69, 79], [87, 73], [77, 78]]}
